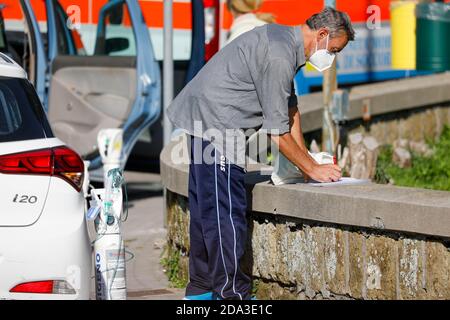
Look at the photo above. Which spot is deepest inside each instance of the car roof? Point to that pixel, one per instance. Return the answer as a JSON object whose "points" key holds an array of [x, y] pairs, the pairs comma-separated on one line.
{"points": [[9, 68]]}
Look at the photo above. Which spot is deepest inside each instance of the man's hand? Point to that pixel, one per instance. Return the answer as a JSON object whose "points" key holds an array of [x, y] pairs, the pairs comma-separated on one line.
{"points": [[321, 174], [325, 173], [300, 157]]}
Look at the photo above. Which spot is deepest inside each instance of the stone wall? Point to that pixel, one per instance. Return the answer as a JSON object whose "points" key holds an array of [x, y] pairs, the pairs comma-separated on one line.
{"points": [[416, 125], [297, 259]]}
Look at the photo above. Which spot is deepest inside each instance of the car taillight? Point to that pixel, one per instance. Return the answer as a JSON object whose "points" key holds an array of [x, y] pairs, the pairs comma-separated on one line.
{"points": [[211, 8], [34, 287], [69, 166], [60, 162], [44, 287]]}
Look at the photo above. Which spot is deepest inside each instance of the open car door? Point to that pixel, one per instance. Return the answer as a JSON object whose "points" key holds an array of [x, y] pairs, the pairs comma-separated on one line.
{"points": [[32, 57], [117, 86]]}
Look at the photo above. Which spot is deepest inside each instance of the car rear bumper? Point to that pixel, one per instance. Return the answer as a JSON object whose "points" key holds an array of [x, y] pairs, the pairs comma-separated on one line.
{"points": [[56, 247]]}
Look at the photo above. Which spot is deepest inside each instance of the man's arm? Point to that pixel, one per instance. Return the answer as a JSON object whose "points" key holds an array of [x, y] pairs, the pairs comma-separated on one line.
{"points": [[295, 125], [274, 88]]}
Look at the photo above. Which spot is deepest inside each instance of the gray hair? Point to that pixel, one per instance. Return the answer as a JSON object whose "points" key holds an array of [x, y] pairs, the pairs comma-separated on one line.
{"points": [[335, 21]]}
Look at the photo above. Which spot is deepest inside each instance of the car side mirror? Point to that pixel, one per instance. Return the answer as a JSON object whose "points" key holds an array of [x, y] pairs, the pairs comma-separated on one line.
{"points": [[116, 44]]}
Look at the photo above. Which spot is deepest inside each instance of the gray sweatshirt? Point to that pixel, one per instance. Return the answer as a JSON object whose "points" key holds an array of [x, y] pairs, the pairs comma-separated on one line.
{"points": [[246, 85]]}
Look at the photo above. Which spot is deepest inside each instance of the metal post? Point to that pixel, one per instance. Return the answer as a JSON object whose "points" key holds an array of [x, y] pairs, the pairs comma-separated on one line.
{"points": [[168, 67], [168, 70], [329, 131]]}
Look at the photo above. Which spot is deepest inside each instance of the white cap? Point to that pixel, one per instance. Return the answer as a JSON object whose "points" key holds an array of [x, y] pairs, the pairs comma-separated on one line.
{"points": [[9, 68]]}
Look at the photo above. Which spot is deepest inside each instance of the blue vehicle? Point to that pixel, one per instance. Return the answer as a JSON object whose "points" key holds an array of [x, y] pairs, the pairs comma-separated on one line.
{"points": [[117, 86]]}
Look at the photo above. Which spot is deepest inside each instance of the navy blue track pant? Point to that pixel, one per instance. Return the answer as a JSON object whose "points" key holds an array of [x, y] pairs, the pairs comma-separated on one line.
{"points": [[218, 225]]}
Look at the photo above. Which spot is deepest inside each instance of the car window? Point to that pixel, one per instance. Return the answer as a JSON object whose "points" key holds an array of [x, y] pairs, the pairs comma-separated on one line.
{"points": [[69, 39], [66, 43], [3, 46], [21, 113], [17, 43], [111, 35], [115, 34], [11, 118]]}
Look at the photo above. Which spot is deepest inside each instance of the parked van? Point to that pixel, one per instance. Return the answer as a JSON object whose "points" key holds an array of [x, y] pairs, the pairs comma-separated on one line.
{"points": [[201, 28]]}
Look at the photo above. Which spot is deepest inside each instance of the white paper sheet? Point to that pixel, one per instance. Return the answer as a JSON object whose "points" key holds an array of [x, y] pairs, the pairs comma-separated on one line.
{"points": [[343, 182]]}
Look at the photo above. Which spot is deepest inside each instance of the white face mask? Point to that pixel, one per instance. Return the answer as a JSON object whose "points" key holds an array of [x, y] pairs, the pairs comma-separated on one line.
{"points": [[322, 59]]}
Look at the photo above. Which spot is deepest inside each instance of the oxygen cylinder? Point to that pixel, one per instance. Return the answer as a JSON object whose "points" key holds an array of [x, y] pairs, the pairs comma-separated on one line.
{"points": [[109, 249], [110, 273]]}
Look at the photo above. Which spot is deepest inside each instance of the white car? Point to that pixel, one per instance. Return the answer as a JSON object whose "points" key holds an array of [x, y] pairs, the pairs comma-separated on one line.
{"points": [[45, 252]]}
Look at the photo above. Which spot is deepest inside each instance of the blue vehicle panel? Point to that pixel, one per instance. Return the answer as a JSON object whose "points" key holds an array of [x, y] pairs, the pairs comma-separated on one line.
{"points": [[146, 106]]}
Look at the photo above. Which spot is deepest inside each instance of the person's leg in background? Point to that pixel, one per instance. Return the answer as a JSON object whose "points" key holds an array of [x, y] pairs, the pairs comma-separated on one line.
{"points": [[200, 282], [225, 231], [218, 196]]}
